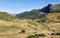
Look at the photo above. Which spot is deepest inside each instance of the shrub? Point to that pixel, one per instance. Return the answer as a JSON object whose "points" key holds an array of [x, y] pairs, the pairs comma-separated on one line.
{"points": [[43, 20], [36, 36], [23, 31]]}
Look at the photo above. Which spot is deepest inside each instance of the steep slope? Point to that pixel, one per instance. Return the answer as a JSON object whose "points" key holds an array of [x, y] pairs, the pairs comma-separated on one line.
{"points": [[55, 8], [51, 8], [24, 27], [55, 27], [53, 17], [21, 28], [46, 9], [6, 16], [34, 14], [30, 23], [39, 13], [49, 18]]}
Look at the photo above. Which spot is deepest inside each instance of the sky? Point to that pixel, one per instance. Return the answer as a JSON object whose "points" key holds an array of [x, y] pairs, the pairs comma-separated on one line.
{"points": [[18, 6]]}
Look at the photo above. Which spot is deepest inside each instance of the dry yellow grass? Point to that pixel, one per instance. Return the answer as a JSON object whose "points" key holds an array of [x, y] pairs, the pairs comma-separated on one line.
{"points": [[12, 29], [53, 17]]}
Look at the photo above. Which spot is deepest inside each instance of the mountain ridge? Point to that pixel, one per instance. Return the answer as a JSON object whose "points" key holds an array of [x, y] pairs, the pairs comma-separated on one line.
{"points": [[36, 13], [6, 16], [33, 22]]}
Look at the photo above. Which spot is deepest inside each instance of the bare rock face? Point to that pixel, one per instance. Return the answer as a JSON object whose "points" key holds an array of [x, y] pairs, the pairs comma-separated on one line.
{"points": [[51, 8], [46, 9]]}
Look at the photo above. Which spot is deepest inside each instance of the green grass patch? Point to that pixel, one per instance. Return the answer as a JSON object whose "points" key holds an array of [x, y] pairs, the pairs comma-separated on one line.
{"points": [[36, 36]]}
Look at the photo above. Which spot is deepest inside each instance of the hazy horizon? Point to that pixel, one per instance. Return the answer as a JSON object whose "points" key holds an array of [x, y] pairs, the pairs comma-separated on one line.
{"points": [[18, 6]]}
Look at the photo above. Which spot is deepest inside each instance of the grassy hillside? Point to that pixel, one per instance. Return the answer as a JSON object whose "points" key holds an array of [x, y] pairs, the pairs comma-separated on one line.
{"points": [[6, 16], [27, 28], [49, 13], [53, 17], [21, 28], [49, 18], [34, 14], [55, 8], [30, 24], [44, 18]]}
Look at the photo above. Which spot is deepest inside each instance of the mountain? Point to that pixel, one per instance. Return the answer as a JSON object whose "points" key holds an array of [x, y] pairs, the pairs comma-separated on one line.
{"points": [[6, 16], [26, 28], [40, 14], [34, 14], [51, 8], [53, 17], [46, 9], [50, 18], [36, 23]]}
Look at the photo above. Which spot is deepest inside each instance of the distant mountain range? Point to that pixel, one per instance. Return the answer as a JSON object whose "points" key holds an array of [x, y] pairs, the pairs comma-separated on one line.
{"points": [[29, 28], [36, 23], [34, 14], [37, 13]]}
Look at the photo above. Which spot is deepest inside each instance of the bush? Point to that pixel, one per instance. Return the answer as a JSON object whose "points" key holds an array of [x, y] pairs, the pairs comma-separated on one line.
{"points": [[43, 20], [36, 36], [23, 31]]}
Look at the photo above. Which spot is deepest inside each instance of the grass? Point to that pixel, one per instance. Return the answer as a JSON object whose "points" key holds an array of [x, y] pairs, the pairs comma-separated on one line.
{"points": [[7, 17], [23, 28], [36, 36], [7, 28], [32, 23]]}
